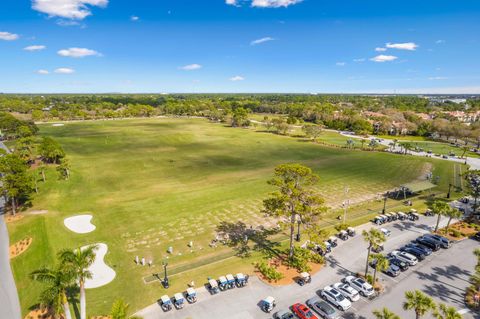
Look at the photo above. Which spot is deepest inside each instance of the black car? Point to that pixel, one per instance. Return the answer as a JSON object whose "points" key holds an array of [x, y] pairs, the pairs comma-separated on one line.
{"points": [[400, 264], [427, 251], [476, 236], [415, 252], [428, 242], [444, 242]]}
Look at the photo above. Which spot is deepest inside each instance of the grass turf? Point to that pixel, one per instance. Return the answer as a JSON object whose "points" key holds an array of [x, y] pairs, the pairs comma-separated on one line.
{"points": [[155, 183]]}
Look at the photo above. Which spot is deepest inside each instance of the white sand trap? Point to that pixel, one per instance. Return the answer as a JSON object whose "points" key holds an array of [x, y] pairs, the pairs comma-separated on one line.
{"points": [[102, 274], [79, 224], [58, 124]]}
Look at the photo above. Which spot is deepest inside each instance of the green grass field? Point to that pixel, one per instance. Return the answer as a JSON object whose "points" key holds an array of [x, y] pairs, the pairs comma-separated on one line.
{"points": [[155, 183]]}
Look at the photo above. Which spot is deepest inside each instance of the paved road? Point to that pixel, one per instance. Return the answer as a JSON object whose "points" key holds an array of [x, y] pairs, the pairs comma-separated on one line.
{"points": [[9, 304], [348, 257]]}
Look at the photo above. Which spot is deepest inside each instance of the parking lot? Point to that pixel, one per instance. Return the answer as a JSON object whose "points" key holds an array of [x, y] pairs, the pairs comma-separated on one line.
{"points": [[443, 275]]}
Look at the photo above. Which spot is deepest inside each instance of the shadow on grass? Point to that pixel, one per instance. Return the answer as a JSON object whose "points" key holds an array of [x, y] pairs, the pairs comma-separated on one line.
{"points": [[239, 236]]}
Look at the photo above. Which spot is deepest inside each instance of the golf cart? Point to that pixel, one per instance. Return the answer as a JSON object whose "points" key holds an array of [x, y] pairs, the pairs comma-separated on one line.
{"points": [[213, 286], [333, 241], [230, 281], [165, 303], [241, 280], [413, 215], [385, 219], [351, 231], [429, 212], [304, 278], [401, 216], [378, 220], [222, 283], [328, 247], [343, 235], [268, 304], [191, 295], [179, 300]]}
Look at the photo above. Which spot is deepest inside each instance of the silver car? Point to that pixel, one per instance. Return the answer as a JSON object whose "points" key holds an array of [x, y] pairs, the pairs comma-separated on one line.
{"points": [[323, 308]]}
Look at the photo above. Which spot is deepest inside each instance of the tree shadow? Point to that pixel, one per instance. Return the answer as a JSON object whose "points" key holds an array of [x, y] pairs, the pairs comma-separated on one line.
{"points": [[238, 236], [72, 293], [335, 264], [351, 315]]}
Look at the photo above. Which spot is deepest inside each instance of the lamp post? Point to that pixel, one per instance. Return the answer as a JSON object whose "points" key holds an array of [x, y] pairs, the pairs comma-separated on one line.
{"points": [[165, 279], [345, 204], [449, 188], [385, 197], [297, 238]]}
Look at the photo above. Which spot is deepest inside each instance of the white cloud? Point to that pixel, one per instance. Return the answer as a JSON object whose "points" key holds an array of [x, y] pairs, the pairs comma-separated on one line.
{"points": [[77, 52], [34, 48], [191, 67], [340, 63], [274, 3], [437, 78], [134, 18], [7, 36], [440, 42], [262, 40], [64, 71], [383, 58], [70, 9], [41, 71], [380, 49], [237, 78], [410, 46], [359, 60], [232, 2]]}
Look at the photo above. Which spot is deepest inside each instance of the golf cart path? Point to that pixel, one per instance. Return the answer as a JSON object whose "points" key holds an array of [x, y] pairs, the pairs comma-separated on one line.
{"points": [[347, 258]]}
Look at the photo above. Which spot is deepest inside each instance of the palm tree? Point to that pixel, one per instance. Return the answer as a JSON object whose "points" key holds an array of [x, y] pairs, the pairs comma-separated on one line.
{"points": [[120, 310], [374, 238], [78, 261], [381, 263], [440, 209], [373, 144], [452, 213], [385, 313], [447, 312], [419, 302], [54, 296]]}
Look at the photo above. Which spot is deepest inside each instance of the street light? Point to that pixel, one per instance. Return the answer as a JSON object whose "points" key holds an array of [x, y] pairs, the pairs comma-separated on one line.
{"points": [[297, 238], [385, 197], [165, 279], [449, 188]]}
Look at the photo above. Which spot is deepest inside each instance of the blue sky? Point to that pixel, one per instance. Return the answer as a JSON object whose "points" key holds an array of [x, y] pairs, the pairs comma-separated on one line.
{"points": [[349, 46]]}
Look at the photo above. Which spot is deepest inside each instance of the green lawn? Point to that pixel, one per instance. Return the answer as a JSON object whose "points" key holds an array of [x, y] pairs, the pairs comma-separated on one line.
{"points": [[155, 183]]}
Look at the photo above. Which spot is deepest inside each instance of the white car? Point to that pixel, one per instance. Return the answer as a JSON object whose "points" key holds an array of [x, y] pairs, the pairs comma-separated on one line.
{"points": [[363, 287], [333, 296], [406, 257], [386, 232], [347, 291]]}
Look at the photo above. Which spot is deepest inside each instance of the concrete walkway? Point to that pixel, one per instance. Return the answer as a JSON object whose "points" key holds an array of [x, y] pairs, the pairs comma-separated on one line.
{"points": [[9, 304]]}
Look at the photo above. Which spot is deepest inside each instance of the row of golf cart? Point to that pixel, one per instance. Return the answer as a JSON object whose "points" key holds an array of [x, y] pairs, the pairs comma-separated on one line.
{"points": [[227, 282], [178, 300], [390, 217], [331, 242], [345, 234]]}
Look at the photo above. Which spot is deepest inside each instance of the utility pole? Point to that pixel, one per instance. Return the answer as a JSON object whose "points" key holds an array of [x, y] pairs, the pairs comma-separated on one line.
{"points": [[345, 204], [165, 279], [385, 197]]}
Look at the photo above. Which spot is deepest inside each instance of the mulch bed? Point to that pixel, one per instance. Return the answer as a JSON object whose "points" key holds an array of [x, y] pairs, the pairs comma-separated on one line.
{"points": [[290, 274], [19, 247]]}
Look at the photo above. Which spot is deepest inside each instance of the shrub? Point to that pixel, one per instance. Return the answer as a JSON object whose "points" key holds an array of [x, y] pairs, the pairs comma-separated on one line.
{"points": [[269, 272], [302, 257], [456, 233]]}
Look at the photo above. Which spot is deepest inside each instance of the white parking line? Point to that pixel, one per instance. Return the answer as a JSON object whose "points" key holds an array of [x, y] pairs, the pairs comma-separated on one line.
{"points": [[463, 311]]}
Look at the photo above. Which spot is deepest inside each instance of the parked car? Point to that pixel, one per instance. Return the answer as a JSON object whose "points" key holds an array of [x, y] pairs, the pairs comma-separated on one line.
{"points": [[303, 312], [428, 242], [363, 287], [347, 291], [415, 252], [406, 257], [392, 269], [399, 263], [476, 236], [283, 314], [386, 232], [427, 251], [444, 242], [333, 296], [323, 308]]}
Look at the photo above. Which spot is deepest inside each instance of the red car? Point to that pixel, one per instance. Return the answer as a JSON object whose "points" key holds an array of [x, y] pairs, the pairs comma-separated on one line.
{"points": [[303, 312]]}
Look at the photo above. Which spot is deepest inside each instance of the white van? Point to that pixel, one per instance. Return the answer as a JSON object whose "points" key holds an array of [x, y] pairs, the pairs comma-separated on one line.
{"points": [[406, 257]]}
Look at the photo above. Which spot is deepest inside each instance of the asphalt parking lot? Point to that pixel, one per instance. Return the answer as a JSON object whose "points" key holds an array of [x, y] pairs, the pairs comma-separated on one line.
{"points": [[443, 275]]}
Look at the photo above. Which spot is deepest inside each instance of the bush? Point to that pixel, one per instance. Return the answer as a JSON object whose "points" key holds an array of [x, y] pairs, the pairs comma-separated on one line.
{"points": [[456, 233], [302, 257], [268, 271]]}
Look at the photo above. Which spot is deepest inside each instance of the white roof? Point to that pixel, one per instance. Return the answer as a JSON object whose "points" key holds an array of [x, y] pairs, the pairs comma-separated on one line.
{"points": [[230, 277], [191, 291], [165, 299], [332, 238], [222, 279], [240, 276], [269, 299], [213, 282], [305, 275], [350, 228], [178, 296]]}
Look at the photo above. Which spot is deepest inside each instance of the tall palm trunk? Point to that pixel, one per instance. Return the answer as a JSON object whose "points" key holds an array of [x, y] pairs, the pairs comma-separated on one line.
{"points": [[83, 301], [374, 276], [66, 308], [438, 222], [368, 257]]}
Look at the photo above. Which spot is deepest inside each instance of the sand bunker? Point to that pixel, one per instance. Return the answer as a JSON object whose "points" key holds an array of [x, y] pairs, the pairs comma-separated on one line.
{"points": [[102, 274], [79, 224], [58, 124]]}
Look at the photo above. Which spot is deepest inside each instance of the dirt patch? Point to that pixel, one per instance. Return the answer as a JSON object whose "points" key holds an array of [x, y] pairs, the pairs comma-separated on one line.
{"points": [[41, 314], [38, 212], [100, 317], [19, 247], [11, 218], [289, 273]]}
